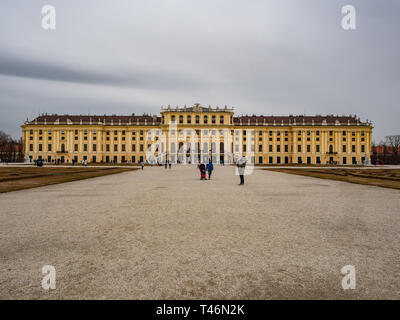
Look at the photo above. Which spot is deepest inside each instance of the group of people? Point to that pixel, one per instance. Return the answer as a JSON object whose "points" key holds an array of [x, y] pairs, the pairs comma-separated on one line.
{"points": [[203, 168], [240, 164], [209, 168]]}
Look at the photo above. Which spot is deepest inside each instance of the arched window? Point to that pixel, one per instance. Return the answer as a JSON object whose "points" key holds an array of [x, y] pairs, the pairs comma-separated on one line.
{"points": [[213, 119], [221, 119], [181, 119], [197, 119], [189, 119], [172, 147], [173, 118], [205, 119]]}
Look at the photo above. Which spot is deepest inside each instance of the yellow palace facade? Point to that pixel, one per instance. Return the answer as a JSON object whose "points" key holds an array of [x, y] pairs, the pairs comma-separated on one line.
{"points": [[197, 134]]}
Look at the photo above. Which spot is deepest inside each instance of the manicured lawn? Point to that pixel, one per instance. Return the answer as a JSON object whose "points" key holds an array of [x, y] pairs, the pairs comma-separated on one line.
{"points": [[14, 178], [388, 178]]}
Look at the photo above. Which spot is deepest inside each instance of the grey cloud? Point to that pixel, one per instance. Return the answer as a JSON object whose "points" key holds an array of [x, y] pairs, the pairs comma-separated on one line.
{"points": [[266, 57], [29, 68]]}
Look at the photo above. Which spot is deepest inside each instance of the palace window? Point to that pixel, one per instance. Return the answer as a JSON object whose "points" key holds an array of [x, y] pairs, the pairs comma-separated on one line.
{"points": [[260, 148], [353, 148], [189, 119], [173, 118], [49, 147], [31, 147], [197, 119], [317, 147], [84, 147], [180, 119], [286, 148], [308, 148], [344, 148], [76, 147], [213, 119], [278, 148], [221, 119], [115, 147], [299, 148], [94, 147], [205, 119], [134, 147], [362, 148], [270, 148], [123, 147]]}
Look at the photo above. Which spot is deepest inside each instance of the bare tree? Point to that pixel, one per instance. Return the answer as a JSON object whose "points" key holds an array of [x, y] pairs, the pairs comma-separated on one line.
{"points": [[10, 149], [4, 138], [394, 142]]}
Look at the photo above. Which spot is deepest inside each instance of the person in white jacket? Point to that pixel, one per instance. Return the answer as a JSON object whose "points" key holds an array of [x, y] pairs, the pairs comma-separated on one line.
{"points": [[241, 166]]}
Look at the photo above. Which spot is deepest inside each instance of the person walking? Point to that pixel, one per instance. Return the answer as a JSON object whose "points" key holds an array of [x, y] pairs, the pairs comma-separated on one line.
{"points": [[241, 166], [142, 165], [209, 168], [202, 169]]}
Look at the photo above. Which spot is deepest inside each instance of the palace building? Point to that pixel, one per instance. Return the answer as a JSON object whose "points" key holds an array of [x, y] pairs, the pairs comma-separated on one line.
{"points": [[194, 134]]}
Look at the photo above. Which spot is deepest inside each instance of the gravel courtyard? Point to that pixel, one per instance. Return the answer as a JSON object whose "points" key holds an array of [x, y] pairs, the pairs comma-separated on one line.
{"points": [[164, 234]]}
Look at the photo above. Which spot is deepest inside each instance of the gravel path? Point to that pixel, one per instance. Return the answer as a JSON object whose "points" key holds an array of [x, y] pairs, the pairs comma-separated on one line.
{"points": [[164, 234]]}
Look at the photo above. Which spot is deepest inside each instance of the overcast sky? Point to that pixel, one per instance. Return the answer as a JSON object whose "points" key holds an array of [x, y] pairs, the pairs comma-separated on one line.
{"points": [[270, 57]]}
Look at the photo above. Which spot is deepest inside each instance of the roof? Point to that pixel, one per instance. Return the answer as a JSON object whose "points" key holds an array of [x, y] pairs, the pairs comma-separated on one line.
{"points": [[96, 119], [253, 120], [298, 120]]}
